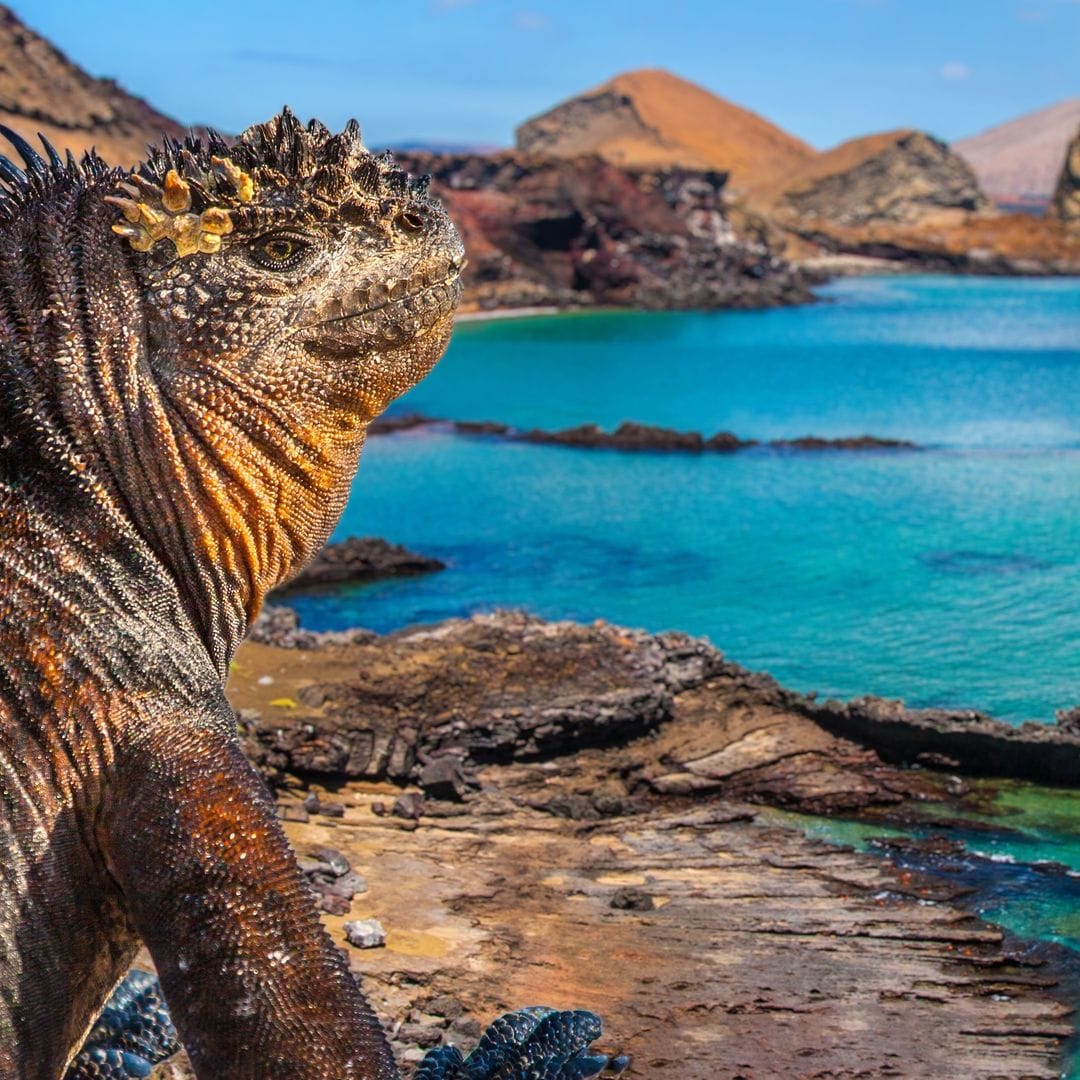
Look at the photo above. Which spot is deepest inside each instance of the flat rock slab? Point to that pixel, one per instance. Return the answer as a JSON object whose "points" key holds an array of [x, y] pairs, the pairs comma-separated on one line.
{"points": [[765, 955]]}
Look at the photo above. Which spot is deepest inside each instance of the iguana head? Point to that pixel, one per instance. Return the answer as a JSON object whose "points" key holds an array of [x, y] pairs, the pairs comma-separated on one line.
{"points": [[205, 339], [297, 258]]}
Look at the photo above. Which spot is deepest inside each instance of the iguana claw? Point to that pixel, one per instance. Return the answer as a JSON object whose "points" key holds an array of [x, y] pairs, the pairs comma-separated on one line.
{"points": [[530, 1044]]}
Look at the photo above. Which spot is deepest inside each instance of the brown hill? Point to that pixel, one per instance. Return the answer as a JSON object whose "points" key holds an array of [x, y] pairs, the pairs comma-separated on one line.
{"points": [[1020, 161], [653, 119], [41, 90], [906, 177]]}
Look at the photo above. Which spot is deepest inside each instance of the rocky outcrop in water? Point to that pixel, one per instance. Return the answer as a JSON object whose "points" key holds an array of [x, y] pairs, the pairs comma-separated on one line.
{"points": [[1065, 205], [361, 559], [544, 232], [669, 711], [903, 177], [631, 436]]}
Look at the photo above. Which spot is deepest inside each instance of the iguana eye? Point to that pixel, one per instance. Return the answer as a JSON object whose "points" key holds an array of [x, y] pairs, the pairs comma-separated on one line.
{"points": [[278, 252]]}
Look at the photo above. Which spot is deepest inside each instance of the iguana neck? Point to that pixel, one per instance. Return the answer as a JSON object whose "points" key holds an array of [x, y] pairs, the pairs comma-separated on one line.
{"points": [[209, 473]]}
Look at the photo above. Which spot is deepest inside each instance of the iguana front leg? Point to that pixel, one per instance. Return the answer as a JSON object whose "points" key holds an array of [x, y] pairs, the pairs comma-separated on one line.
{"points": [[257, 989]]}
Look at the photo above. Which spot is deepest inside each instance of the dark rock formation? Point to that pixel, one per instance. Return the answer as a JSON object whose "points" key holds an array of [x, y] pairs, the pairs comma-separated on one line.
{"points": [[1065, 205], [545, 232], [361, 559], [904, 177], [387, 425], [852, 442], [627, 436], [968, 742], [632, 436]]}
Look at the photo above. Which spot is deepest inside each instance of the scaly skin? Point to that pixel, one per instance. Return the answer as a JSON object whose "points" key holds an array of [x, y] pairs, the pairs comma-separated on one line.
{"points": [[182, 407]]}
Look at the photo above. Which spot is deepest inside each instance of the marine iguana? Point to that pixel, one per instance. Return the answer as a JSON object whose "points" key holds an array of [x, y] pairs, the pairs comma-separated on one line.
{"points": [[191, 353]]}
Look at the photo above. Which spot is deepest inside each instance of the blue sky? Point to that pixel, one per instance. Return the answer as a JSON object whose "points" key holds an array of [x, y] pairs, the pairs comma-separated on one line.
{"points": [[470, 70]]}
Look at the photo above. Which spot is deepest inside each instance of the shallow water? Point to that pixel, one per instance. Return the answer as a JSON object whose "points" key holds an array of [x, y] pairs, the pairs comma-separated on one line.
{"points": [[946, 576], [1021, 861]]}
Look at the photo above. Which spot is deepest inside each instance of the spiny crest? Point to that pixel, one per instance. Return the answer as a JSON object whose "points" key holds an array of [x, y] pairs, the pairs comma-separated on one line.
{"points": [[39, 178], [284, 153], [194, 192]]}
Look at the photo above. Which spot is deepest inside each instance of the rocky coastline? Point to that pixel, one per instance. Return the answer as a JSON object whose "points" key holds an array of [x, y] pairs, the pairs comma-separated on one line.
{"points": [[582, 232], [587, 815], [631, 436]]}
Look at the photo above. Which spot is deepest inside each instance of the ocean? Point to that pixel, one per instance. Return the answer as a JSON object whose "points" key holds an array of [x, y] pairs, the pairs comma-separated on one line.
{"points": [[946, 576]]}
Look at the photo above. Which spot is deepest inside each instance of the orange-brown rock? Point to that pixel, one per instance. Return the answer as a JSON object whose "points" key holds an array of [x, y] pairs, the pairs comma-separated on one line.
{"points": [[653, 119], [41, 90]]}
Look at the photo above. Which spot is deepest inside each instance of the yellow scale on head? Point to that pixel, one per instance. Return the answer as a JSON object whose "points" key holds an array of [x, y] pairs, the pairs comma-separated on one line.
{"points": [[153, 213]]}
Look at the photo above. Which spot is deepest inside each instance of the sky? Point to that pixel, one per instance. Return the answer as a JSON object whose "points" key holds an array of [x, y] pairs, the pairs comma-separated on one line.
{"points": [[469, 71]]}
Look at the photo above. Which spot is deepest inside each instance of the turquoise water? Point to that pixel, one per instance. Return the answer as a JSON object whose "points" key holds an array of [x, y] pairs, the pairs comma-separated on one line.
{"points": [[946, 576]]}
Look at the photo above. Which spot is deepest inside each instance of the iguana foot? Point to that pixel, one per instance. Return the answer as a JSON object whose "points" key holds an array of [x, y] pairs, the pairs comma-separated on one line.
{"points": [[132, 1034], [530, 1044]]}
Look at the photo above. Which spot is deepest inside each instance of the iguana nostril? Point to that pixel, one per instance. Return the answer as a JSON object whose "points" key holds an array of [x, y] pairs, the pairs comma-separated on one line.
{"points": [[411, 221]]}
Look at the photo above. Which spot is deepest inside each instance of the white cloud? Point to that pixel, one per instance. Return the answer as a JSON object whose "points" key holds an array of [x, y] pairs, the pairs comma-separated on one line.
{"points": [[954, 71], [531, 21]]}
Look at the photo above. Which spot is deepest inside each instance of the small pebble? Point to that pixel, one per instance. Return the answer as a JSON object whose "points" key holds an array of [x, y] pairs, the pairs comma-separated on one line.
{"points": [[339, 865], [632, 900], [365, 933], [334, 905], [265, 680], [445, 1005], [348, 885]]}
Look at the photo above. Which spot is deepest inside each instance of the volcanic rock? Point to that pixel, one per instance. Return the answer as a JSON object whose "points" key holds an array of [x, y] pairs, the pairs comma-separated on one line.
{"points": [[545, 232], [606, 866], [1065, 205], [361, 559], [903, 177]]}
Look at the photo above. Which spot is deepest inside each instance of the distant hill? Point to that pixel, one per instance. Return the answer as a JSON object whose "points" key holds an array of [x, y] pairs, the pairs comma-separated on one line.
{"points": [[651, 119], [41, 90], [1020, 161], [904, 177]]}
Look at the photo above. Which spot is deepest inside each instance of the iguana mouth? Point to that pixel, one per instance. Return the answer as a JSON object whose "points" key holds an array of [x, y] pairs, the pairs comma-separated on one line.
{"points": [[384, 294]]}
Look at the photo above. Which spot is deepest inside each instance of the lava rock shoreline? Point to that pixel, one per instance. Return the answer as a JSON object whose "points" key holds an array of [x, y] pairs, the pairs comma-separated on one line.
{"points": [[631, 436], [506, 687], [583, 814]]}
